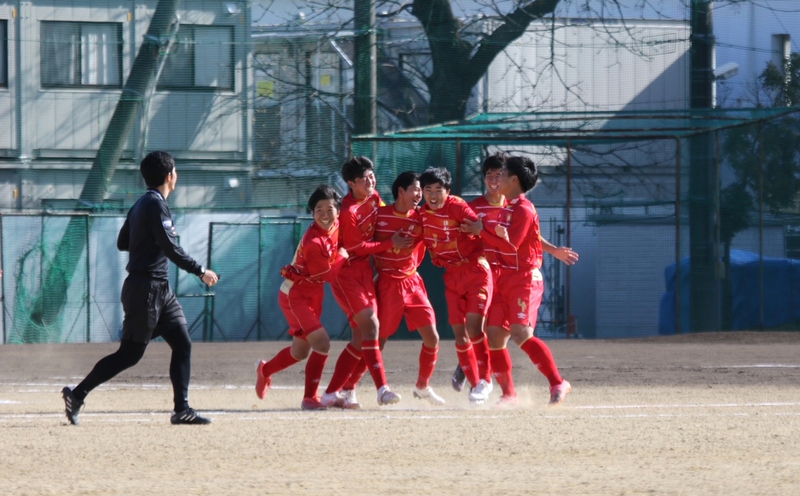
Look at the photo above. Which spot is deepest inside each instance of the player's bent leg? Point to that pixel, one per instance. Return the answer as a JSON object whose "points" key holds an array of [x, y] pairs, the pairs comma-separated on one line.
{"points": [[541, 356], [320, 342], [128, 355]]}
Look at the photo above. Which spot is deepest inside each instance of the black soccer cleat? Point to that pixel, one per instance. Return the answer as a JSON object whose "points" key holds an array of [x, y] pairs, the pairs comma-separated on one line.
{"points": [[189, 417], [72, 406], [459, 379]]}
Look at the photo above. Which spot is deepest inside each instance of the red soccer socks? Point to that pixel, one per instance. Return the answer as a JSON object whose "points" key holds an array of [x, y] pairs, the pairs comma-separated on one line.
{"points": [[501, 366], [468, 362], [344, 367], [427, 364], [541, 357]]}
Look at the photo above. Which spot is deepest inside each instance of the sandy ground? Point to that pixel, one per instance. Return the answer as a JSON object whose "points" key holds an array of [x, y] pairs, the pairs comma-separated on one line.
{"points": [[686, 415]]}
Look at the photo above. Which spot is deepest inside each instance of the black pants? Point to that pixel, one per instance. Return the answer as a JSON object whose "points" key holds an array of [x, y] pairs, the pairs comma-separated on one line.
{"points": [[151, 310]]}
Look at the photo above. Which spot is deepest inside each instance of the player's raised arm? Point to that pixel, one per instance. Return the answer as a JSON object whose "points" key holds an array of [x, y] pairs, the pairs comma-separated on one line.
{"points": [[563, 253]]}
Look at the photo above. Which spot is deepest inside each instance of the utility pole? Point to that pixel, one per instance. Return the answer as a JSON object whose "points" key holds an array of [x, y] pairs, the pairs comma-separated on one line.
{"points": [[55, 282], [366, 84], [703, 180]]}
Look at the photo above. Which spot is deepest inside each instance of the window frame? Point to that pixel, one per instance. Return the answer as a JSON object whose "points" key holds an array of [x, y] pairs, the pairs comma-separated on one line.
{"points": [[79, 59], [4, 53], [194, 87]]}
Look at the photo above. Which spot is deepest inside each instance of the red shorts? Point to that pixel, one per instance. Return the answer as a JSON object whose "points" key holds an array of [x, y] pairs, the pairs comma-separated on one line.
{"points": [[403, 297], [354, 289], [468, 289], [302, 307], [516, 299]]}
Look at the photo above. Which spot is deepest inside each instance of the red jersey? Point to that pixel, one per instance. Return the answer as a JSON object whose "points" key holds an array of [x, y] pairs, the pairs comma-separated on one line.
{"points": [[489, 213], [523, 248], [317, 257], [399, 263], [449, 246], [357, 219]]}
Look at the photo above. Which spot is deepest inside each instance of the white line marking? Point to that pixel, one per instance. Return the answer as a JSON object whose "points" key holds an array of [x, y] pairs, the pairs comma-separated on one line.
{"points": [[708, 405], [753, 366]]}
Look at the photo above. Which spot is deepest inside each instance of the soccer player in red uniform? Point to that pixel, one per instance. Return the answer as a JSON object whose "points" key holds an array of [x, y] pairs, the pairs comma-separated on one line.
{"points": [[317, 260], [520, 285], [401, 291], [354, 288], [487, 208], [467, 278]]}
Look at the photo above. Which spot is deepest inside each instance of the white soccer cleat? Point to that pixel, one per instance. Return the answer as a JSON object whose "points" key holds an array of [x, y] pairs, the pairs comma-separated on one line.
{"points": [[349, 400], [427, 393], [480, 393], [387, 397], [332, 400]]}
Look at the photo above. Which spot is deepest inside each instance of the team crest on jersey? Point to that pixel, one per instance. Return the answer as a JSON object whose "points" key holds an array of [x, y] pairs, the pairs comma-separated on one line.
{"points": [[383, 224]]}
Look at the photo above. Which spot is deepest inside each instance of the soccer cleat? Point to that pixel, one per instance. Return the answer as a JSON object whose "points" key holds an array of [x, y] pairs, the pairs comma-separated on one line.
{"points": [[263, 381], [507, 402], [312, 404], [332, 400], [349, 400], [480, 393], [459, 379], [427, 393], [72, 406], [559, 392], [188, 417], [387, 397]]}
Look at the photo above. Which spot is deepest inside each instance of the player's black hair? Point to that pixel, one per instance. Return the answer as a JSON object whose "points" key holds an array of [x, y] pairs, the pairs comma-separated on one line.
{"points": [[404, 180], [435, 175], [493, 162], [324, 192], [525, 170], [155, 167], [356, 167]]}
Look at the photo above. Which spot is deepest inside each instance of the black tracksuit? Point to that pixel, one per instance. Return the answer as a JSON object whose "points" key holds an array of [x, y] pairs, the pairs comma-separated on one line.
{"points": [[151, 308]]}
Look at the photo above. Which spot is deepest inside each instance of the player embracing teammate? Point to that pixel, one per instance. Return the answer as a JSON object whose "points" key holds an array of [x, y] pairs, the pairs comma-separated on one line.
{"points": [[505, 231], [519, 284]]}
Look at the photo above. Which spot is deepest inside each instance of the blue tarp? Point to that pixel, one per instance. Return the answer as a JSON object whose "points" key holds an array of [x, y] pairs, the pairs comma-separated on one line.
{"points": [[781, 293]]}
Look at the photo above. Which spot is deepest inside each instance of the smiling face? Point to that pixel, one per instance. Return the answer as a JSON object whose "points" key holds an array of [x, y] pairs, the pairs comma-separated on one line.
{"points": [[492, 180], [410, 196], [325, 214], [364, 186], [435, 195]]}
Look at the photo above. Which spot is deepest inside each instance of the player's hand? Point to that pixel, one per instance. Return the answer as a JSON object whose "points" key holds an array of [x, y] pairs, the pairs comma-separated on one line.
{"points": [[472, 226], [210, 278], [291, 273], [343, 253], [402, 240], [566, 255], [501, 231]]}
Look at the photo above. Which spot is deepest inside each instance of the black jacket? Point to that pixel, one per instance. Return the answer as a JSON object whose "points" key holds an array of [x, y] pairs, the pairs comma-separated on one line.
{"points": [[149, 235]]}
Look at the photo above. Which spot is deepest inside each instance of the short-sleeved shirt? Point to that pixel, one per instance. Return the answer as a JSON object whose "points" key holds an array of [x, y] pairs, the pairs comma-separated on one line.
{"points": [[523, 249], [357, 220], [489, 213], [398, 263], [315, 260], [441, 229]]}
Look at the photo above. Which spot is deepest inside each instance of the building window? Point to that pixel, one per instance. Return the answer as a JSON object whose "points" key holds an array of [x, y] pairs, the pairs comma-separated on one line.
{"points": [[201, 59], [3, 54], [76, 54]]}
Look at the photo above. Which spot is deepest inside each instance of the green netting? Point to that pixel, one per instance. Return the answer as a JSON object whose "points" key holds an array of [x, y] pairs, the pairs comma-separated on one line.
{"points": [[45, 279]]}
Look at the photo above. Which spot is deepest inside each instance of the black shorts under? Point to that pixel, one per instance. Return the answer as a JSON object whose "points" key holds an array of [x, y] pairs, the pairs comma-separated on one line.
{"points": [[150, 307]]}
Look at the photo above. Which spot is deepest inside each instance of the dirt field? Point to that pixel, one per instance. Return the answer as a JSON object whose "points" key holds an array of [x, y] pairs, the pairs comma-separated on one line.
{"points": [[688, 415]]}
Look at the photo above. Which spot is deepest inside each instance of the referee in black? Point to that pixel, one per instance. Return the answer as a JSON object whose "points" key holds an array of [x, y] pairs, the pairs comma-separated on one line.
{"points": [[151, 308]]}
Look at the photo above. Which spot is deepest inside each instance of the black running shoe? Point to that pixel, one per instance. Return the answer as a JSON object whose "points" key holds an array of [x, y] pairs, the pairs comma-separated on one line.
{"points": [[459, 379], [72, 406], [190, 417]]}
